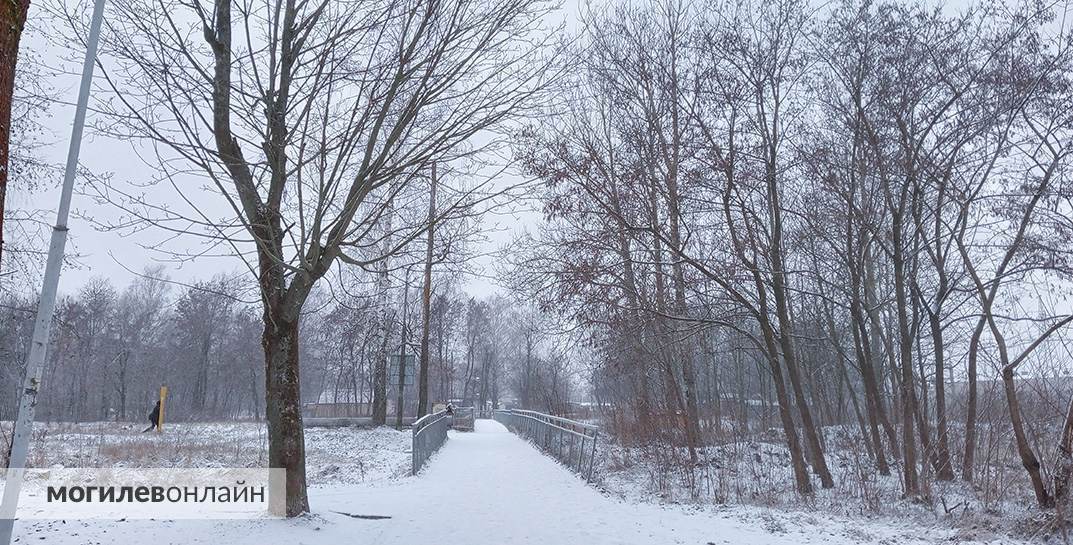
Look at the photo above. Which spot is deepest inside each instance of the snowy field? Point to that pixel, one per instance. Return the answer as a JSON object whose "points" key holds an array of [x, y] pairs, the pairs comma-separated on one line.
{"points": [[334, 455], [754, 479], [487, 487]]}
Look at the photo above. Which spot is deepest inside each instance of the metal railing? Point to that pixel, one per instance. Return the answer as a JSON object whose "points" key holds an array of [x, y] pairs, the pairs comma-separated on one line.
{"points": [[572, 443], [429, 434], [463, 418]]}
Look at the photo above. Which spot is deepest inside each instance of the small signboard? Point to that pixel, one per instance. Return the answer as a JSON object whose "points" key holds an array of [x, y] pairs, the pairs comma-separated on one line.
{"points": [[393, 369]]}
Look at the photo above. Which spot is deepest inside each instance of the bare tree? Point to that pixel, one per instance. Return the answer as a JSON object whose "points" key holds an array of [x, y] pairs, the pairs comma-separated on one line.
{"points": [[12, 22], [306, 119]]}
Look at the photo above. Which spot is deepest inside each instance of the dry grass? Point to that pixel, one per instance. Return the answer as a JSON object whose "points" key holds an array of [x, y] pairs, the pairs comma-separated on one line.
{"points": [[755, 471], [333, 455]]}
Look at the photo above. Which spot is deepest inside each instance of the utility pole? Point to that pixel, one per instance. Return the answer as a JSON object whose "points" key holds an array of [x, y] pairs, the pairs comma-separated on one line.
{"points": [[426, 301], [20, 440], [401, 398], [381, 380]]}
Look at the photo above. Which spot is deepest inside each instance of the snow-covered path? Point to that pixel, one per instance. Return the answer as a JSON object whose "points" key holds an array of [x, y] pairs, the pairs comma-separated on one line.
{"points": [[488, 487], [492, 487]]}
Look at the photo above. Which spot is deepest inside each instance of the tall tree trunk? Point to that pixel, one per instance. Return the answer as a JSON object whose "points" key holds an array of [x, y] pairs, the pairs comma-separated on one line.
{"points": [[482, 393], [1063, 463], [12, 21], [945, 471], [673, 392], [201, 380], [968, 463], [685, 350], [873, 400], [812, 438], [870, 432], [124, 360], [869, 440], [789, 355], [255, 395], [527, 371], [797, 457], [905, 363], [639, 363], [426, 301], [286, 445], [1028, 458], [1024, 449], [856, 255], [878, 350], [987, 298], [400, 399]]}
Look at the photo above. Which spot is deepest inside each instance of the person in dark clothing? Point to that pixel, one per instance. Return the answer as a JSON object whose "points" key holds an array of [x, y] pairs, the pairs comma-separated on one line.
{"points": [[450, 410], [154, 417]]}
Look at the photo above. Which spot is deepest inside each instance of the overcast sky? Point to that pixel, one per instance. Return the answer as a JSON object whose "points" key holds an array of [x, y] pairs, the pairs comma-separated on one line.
{"points": [[112, 255]]}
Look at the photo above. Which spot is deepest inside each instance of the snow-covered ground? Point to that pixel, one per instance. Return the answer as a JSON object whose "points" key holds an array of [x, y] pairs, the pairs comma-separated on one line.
{"points": [[333, 455], [752, 479], [487, 487]]}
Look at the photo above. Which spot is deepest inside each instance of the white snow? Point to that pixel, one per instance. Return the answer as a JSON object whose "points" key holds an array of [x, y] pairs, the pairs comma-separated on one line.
{"points": [[333, 455], [486, 487]]}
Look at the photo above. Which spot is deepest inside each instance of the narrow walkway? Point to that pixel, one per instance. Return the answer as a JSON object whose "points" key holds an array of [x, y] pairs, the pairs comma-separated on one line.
{"points": [[490, 487]]}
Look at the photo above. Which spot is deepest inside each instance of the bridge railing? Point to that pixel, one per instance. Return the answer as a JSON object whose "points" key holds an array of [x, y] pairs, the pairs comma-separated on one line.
{"points": [[463, 418], [571, 442], [429, 434]]}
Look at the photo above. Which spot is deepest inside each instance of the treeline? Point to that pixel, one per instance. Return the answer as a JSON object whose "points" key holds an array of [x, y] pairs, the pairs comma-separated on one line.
{"points": [[113, 347], [487, 353], [836, 212]]}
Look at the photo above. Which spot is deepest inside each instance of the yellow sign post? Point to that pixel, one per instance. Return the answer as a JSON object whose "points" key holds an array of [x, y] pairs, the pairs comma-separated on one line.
{"points": [[160, 416]]}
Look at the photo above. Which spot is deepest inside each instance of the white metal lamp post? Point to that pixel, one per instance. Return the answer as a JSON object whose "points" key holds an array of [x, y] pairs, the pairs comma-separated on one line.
{"points": [[20, 441]]}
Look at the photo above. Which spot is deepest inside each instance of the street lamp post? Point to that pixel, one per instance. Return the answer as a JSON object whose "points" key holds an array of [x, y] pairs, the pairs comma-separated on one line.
{"points": [[20, 440]]}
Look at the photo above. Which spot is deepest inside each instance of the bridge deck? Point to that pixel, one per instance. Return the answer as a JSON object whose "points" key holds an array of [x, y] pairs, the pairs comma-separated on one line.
{"points": [[491, 487]]}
